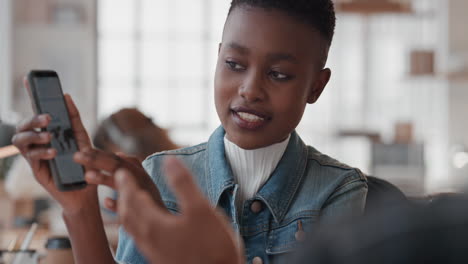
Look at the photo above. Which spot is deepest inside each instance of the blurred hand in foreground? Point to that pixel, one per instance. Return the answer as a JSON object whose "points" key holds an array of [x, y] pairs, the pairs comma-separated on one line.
{"points": [[200, 231]]}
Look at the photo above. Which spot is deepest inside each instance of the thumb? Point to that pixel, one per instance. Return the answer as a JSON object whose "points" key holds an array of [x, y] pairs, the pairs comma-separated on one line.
{"points": [[136, 209], [130, 158], [126, 186], [181, 181]]}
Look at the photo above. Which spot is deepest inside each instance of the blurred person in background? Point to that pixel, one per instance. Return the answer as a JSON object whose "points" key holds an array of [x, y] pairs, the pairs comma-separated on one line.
{"points": [[133, 133]]}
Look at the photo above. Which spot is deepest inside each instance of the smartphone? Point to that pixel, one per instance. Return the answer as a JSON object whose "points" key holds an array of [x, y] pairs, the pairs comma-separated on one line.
{"points": [[47, 97]]}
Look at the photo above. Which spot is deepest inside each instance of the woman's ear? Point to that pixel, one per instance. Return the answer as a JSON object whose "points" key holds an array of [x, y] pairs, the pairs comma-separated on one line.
{"points": [[319, 85]]}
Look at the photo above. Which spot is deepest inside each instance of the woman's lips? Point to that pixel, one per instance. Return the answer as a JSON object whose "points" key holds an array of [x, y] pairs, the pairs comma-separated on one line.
{"points": [[248, 120]]}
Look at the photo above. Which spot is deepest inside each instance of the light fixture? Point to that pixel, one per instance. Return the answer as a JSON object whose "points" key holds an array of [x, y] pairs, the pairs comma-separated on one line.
{"points": [[460, 160]]}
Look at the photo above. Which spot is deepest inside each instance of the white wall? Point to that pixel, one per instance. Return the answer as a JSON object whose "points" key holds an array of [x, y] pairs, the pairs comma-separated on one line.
{"points": [[457, 43], [5, 70], [68, 48], [457, 53]]}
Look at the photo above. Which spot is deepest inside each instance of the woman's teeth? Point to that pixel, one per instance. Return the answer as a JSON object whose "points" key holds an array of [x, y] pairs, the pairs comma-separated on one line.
{"points": [[250, 117]]}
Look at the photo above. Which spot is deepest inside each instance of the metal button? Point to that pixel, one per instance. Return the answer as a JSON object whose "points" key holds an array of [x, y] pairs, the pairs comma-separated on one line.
{"points": [[257, 260], [256, 207]]}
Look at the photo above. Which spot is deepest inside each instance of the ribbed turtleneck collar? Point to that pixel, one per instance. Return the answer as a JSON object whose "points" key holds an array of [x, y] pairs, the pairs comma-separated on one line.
{"points": [[252, 168]]}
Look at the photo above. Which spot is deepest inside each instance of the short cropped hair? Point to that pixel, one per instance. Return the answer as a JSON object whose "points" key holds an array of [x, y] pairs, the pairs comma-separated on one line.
{"points": [[320, 14]]}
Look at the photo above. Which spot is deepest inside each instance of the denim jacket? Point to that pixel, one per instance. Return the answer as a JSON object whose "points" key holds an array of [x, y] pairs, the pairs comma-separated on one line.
{"points": [[305, 186]]}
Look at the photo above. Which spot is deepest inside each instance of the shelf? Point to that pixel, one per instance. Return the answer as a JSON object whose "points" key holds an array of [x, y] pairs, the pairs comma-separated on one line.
{"points": [[458, 76], [441, 76], [373, 7], [371, 135]]}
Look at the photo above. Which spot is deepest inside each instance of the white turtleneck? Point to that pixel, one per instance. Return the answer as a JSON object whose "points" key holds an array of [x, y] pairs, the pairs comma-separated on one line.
{"points": [[252, 168]]}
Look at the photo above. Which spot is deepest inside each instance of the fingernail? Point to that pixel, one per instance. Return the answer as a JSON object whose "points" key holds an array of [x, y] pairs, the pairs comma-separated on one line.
{"points": [[120, 176], [44, 136], [79, 155], [51, 151], [43, 118], [92, 175]]}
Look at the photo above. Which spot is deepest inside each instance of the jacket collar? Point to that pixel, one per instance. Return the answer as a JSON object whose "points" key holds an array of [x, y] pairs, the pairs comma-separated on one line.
{"points": [[280, 189], [219, 174]]}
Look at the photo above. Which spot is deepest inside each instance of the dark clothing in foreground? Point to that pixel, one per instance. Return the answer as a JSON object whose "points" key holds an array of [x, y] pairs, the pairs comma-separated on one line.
{"points": [[432, 233]]}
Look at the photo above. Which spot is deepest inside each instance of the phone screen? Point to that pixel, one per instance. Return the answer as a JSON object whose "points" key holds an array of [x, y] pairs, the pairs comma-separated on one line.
{"points": [[50, 101]]}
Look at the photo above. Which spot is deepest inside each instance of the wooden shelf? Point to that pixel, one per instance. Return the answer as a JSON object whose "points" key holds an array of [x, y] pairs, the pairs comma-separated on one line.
{"points": [[371, 135], [451, 76], [372, 7], [458, 76]]}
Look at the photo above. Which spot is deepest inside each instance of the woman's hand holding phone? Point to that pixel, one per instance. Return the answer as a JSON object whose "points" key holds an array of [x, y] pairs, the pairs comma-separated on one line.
{"points": [[99, 166], [32, 145], [80, 207]]}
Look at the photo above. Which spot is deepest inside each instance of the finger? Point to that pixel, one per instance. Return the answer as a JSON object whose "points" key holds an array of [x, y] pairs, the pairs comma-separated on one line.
{"points": [[98, 178], [110, 204], [100, 160], [25, 140], [145, 181], [126, 186], [38, 121], [132, 159], [181, 181], [128, 190], [42, 154], [135, 206], [79, 130]]}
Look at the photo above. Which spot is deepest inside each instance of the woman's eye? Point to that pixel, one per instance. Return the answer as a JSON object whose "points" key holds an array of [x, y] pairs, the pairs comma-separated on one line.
{"points": [[280, 76], [234, 65]]}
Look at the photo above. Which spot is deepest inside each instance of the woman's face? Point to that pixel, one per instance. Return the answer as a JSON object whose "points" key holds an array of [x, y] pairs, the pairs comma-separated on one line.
{"points": [[268, 69]]}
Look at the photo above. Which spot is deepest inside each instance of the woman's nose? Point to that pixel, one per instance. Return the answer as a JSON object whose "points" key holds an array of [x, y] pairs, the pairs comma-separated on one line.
{"points": [[252, 89]]}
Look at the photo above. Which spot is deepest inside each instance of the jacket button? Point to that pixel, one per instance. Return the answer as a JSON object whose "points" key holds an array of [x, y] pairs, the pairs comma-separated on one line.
{"points": [[257, 260], [256, 207]]}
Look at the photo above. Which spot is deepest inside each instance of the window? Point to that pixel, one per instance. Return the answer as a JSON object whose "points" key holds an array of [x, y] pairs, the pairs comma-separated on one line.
{"points": [[159, 56]]}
